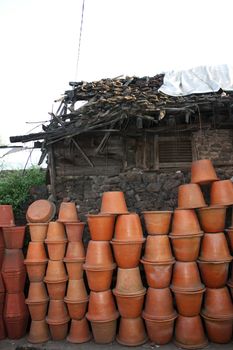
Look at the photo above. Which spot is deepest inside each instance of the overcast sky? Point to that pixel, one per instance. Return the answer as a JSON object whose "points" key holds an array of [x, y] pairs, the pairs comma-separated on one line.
{"points": [[39, 46]]}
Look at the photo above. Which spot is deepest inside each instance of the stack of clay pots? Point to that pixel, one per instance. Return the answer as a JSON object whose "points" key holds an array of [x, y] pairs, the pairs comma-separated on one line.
{"points": [[158, 261]]}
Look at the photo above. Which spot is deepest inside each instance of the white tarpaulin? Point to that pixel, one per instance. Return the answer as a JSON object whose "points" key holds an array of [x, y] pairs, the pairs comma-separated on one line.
{"points": [[198, 80]]}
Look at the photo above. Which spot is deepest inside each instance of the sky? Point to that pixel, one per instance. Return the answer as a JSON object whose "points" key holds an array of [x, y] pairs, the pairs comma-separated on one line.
{"points": [[39, 48]]}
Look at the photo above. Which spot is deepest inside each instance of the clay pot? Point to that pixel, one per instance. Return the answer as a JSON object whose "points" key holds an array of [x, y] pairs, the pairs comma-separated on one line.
{"points": [[101, 226], [158, 275], [36, 270], [79, 332], [56, 232], [76, 309], [104, 332], [186, 277], [186, 248], [131, 332], [36, 252], [202, 172], [13, 271], [99, 279], [189, 333], [212, 219], [38, 231], [185, 222], [218, 331], [129, 281], [56, 289], [39, 332], [127, 254], [6, 216], [214, 248], [74, 268], [189, 303], [37, 292], [55, 271], [68, 212], [160, 331], [190, 197], [57, 312], [2, 329], [74, 231], [214, 274], [37, 301], [128, 228], [76, 291], [159, 304], [113, 203], [158, 249], [157, 222], [218, 304], [56, 249], [230, 238], [99, 254], [58, 330], [14, 237], [101, 307], [75, 251], [221, 193], [41, 211], [130, 306]]}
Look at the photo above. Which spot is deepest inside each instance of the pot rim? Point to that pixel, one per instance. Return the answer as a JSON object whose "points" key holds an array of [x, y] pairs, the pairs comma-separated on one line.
{"points": [[157, 212], [100, 215], [214, 319], [74, 260], [195, 346], [188, 292], [214, 206], [67, 221], [76, 301], [216, 261], [59, 322], [32, 302], [187, 289], [157, 263], [194, 207], [122, 342], [186, 236], [191, 234], [37, 224], [47, 241], [99, 268], [229, 229], [162, 262], [113, 318], [223, 317], [46, 280], [115, 213], [158, 318], [36, 262], [75, 223], [38, 340], [121, 242], [142, 292], [153, 320], [200, 261], [72, 340]]}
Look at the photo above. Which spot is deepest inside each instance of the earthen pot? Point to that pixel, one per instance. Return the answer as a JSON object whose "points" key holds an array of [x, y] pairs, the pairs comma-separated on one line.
{"points": [[104, 332], [189, 333], [68, 212], [58, 330], [36, 270], [39, 332], [6, 216], [221, 193], [38, 231], [74, 231], [214, 274], [217, 303], [185, 222], [14, 237], [55, 271], [99, 279], [113, 203], [129, 281], [131, 332], [37, 301], [157, 222], [101, 306], [40, 211], [37, 292], [212, 219], [130, 306], [101, 226], [36, 252], [99, 254], [79, 331], [13, 270], [56, 232], [74, 268], [160, 331], [128, 228], [158, 275], [186, 247], [218, 331], [186, 277], [158, 249], [56, 289], [75, 250], [127, 253], [159, 304], [57, 312], [76, 291], [56, 249], [230, 238], [2, 329], [214, 248], [189, 303], [190, 197], [203, 172], [76, 309]]}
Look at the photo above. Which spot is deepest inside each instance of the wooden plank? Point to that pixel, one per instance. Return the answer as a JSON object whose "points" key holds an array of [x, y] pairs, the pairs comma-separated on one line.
{"points": [[52, 171], [156, 152]]}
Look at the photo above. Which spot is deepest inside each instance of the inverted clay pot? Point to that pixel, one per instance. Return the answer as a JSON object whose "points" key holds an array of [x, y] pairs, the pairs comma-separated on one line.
{"points": [[157, 222], [74, 231], [99, 254], [129, 281], [13, 271], [56, 232], [56, 289], [128, 228], [74, 268], [230, 238], [214, 247], [212, 219], [79, 331], [56, 271], [159, 304], [37, 310], [99, 279], [185, 222], [57, 312], [38, 231], [113, 203], [130, 306], [190, 197], [76, 291], [14, 237], [217, 303], [56, 249], [158, 249], [158, 275], [6, 216], [189, 303], [186, 277], [76, 309], [101, 226], [36, 252], [37, 301], [58, 330], [39, 332], [36, 270], [127, 254], [101, 306], [160, 331], [37, 292], [40, 211], [221, 193], [104, 332], [203, 172], [218, 331], [68, 212], [2, 329], [186, 248], [214, 274], [131, 332], [75, 251]]}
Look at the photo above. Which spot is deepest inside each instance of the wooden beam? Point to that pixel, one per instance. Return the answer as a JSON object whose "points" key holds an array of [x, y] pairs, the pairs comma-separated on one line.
{"points": [[83, 153]]}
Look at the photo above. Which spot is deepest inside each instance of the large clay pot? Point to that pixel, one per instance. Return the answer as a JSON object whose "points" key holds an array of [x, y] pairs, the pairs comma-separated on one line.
{"points": [[40, 211], [158, 249], [36, 252], [75, 250], [160, 331], [214, 248], [186, 248], [202, 172], [55, 271], [212, 219], [74, 268], [57, 312], [189, 333], [130, 306], [158, 275], [217, 303], [157, 222], [56, 232], [101, 306], [76, 309], [38, 231], [68, 212], [159, 304], [14, 237], [189, 303], [113, 203], [185, 222], [39, 332], [74, 231], [58, 330], [76, 299], [56, 249], [99, 254], [186, 277], [101, 226], [56, 289], [13, 270], [104, 332], [6, 216], [128, 228], [214, 274], [218, 330], [37, 301], [79, 331], [127, 254], [131, 332], [221, 193], [129, 281], [99, 279], [36, 270], [230, 238], [190, 197]]}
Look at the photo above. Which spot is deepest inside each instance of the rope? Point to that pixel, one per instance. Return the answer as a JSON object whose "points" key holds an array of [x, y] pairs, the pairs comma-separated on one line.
{"points": [[79, 43]]}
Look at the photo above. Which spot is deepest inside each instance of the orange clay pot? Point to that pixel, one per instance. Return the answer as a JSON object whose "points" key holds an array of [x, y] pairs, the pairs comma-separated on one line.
{"points": [[55, 271], [160, 331], [127, 254], [6, 216], [158, 249], [218, 331], [214, 274], [190, 197], [74, 231], [186, 277], [189, 303], [39, 332], [159, 304], [212, 219], [189, 333], [38, 310], [99, 254], [157, 222], [36, 252], [74, 268], [40, 211], [57, 312], [68, 212], [99, 279], [76, 309], [221, 193], [113, 203], [130, 306], [76, 291], [230, 238], [101, 226], [56, 232], [202, 172], [185, 222], [158, 275], [37, 301], [128, 228], [58, 330], [37, 292], [186, 248], [131, 332], [36, 270], [38, 231], [13, 271], [56, 289], [129, 281], [56, 249], [75, 251], [217, 303], [79, 331], [14, 237], [104, 332], [101, 307], [214, 248]]}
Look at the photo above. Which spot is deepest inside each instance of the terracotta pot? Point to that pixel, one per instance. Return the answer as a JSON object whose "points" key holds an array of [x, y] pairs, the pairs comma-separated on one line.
{"points": [[218, 331], [56, 271], [185, 222], [190, 197], [186, 277], [36, 270], [76, 290], [57, 312], [212, 219], [40, 211], [130, 306], [6, 216], [127, 254], [129, 281], [79, 332], [75, 250], [99, 279], [221, 193], [159, 304], [58, 330], [74, 268], [38, 231], [56, 249], [214, 248], [160, 331], [186, 248], [157, 222], [158, 249], [2, 329], [36, 252], [16, 327], [131, 332], [113, 203], [56, 232], [189, 333], [74, 231], [37, 292], [39, 332], [68, 212], [104, 332], [76, 309], [202, 172], [189, 303], [56, 289], [101, 306], [37, 301], [230, 238], [158, 275], [101, 226], [99, 254], [214, 274], [37, 310], [13, 271], [14, 237], [217, 303], [128, 228]]}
